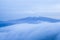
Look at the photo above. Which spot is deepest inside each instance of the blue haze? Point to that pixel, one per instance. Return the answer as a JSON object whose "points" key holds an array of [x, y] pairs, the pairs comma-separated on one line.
{"points": [[15, 9], [29, 19]]}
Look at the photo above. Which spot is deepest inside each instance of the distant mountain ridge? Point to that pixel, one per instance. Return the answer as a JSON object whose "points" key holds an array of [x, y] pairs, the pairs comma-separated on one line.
{"points": [[40, 19], [31, 20]]}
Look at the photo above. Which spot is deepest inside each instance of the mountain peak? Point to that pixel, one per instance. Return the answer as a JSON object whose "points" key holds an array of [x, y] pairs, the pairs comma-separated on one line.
{"points": [[31, 20]]}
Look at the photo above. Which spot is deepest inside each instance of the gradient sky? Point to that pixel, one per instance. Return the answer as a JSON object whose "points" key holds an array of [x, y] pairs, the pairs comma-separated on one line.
{"points": [[15, 9]]}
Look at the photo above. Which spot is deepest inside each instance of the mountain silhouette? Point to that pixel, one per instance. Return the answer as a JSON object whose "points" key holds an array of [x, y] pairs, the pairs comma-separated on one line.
{"points": [[31, 20]]}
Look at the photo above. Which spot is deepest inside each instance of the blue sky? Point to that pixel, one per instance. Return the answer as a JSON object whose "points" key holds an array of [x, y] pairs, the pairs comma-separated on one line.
{"points": [[15, 9]]}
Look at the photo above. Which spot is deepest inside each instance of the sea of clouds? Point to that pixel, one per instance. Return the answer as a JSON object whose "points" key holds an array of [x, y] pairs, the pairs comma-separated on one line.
{"points": [[25, 31]]}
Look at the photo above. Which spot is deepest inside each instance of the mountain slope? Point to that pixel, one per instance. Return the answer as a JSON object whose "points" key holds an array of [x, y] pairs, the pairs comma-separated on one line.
{"points": [[31, 20]]}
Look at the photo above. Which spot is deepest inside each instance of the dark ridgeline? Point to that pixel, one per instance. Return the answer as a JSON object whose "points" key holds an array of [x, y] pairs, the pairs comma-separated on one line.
{"points": [[31, 20]]}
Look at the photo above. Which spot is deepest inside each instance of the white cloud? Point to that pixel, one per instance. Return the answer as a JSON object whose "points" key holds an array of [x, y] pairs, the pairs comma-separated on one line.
{"points": [[20, 31]]}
